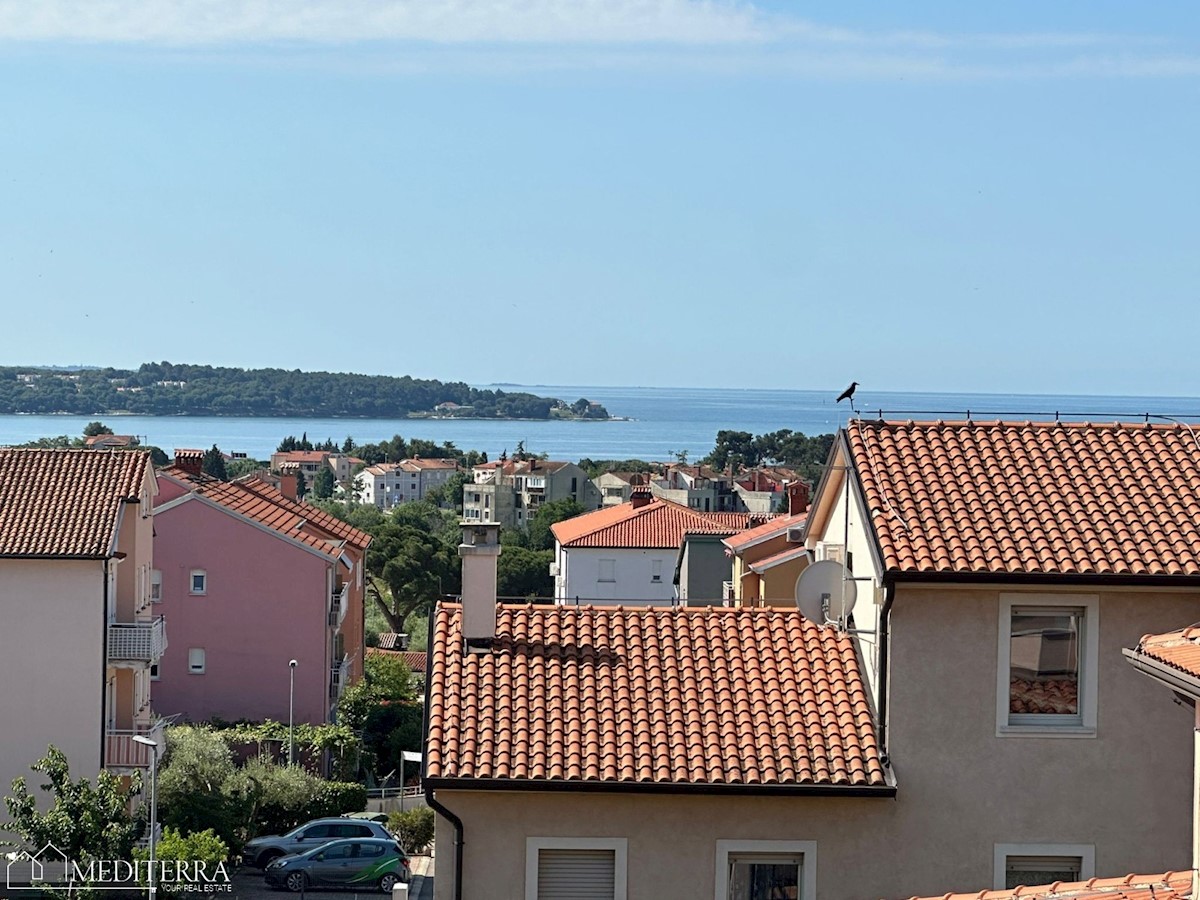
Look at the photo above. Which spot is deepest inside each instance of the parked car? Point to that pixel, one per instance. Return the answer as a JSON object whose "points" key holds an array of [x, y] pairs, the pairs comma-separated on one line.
{"points": [[261, 850], [355, 864]]}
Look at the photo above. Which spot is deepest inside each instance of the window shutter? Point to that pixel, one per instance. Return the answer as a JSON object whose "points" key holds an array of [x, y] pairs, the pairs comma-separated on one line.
{"points": [[576, 875]]}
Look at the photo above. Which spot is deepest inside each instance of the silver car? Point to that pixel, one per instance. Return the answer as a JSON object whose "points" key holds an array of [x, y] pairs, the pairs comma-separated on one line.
{"points": [[262, 850]]}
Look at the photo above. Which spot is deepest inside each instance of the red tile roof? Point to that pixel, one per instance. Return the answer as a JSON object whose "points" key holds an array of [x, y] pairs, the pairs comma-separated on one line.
{"points": [[1031, 498], [414, 659], [651, 696], [419, 463], [65, 503], [1168, 886], [764, 532], [258, 500], [660, 523], [1178, 649], [301, 456]]}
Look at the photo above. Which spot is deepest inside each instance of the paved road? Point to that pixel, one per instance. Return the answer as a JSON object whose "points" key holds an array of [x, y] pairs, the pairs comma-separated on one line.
{"points": [[248, 885]]}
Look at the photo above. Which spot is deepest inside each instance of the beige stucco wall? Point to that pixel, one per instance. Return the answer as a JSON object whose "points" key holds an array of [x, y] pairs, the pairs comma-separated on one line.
{"points": [[962, 789], [51, 665]]}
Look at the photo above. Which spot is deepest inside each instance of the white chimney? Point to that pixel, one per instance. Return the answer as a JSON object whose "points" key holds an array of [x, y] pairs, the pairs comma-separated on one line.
{"points": [[480, 548]]}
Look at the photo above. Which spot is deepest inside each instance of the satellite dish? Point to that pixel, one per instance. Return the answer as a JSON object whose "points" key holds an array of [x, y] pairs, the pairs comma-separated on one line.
{"points": [[825, 593]]}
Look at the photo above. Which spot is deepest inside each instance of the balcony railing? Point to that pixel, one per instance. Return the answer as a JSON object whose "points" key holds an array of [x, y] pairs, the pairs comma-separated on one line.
{"points": [[139, 641], [337, 605], [339, 675], [121, 751]]}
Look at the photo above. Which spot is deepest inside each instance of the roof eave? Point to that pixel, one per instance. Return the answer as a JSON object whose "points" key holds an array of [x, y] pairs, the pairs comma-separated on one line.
{"points": [[882, 791], [1088, 579], [1174, 678]]}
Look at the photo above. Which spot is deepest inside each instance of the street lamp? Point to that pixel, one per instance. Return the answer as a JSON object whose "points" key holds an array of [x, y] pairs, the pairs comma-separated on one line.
{"points": [[153, 745], [291, 711]]}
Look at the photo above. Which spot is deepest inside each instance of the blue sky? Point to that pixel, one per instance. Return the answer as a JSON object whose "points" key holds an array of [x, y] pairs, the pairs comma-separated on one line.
{"points": [[920, 196]]}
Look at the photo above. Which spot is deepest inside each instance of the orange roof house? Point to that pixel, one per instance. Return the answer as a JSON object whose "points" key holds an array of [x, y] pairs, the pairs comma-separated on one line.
{"points": [[767, 561], [998, 567], [627, 745], [1167, 886]]}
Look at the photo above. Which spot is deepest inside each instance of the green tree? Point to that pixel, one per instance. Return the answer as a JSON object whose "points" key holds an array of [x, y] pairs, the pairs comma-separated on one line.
{"points": [[91, 429], [540, 536], [85, 821], [301, 484], [194, 785], [523, 573], [324, 484], [214, 464]]}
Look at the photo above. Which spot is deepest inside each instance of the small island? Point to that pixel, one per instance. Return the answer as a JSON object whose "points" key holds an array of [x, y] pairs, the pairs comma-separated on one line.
{"points": [[167, 389]]}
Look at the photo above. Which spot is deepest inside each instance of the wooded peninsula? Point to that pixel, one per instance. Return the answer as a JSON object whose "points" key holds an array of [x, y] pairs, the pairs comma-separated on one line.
{"points": [[167, 389]]}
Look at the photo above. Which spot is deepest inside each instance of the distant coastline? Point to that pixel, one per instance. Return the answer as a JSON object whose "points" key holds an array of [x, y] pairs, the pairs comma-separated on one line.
{"points": [[167, 389]]}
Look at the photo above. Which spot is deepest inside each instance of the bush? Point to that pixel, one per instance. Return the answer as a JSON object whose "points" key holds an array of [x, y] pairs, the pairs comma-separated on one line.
{"points": [[414, 827], [196, 845], [289, 796]]}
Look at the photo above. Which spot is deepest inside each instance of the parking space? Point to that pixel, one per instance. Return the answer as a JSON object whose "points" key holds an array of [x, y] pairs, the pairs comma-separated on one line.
{"points": [[247, 884]]}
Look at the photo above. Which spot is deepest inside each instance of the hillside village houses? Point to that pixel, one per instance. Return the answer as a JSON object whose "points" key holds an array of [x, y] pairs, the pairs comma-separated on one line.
{"points": [[970, 722], [389, 484], [81, 630], [509, 492]]}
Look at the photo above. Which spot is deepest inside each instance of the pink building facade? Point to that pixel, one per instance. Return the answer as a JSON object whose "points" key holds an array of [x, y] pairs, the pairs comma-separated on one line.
{"points": [[244, 598]]}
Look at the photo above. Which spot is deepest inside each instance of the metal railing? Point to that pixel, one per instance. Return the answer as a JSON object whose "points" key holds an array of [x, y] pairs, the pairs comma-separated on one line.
{"points": [[141, 641], [121, 751]]}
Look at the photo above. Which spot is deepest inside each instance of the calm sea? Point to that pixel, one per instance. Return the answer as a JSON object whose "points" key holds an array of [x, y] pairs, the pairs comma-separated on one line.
{"points": [[659, 421]]}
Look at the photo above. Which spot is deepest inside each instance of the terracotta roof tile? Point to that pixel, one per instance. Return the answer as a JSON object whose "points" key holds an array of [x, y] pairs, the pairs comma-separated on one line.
{"points": [[652, 696], [765, 531], [1048, 498], [65, 502], [414, 659], [660, 523], [1168, 886], [258, 500], [1178, 649]]}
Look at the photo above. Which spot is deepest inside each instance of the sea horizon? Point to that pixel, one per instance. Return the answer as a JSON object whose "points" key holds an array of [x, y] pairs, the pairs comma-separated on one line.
{"points": [[654, 423]]}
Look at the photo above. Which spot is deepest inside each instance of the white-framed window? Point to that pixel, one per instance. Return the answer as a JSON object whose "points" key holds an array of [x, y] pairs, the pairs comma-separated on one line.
{"points": [[761, 870], [606, 570], [198, 582], [581, 868], [656, 570], [1034, 864], [196, 661], [155, 586], [1047, 668]]}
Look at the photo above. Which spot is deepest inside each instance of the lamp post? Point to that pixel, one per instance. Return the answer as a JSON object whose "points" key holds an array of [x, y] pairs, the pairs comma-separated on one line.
{"points": [[153, 745], [291, 712]]}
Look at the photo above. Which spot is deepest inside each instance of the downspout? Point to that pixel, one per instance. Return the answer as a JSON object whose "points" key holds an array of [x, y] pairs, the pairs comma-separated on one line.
{"points": [[885, 633], [430, 797]]}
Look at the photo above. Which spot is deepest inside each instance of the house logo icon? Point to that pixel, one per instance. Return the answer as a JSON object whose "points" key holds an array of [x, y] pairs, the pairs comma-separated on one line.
{"points": [[49, 867]]}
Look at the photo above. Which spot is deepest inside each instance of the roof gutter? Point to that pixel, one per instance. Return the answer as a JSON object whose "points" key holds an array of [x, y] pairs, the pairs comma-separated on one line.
{"points": [[1083, 579], [657, 787], [426, 782], [1180, 682]]}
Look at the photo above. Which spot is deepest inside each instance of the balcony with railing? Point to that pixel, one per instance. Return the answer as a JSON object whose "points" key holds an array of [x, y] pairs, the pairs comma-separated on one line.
{"points": [[137, 641], [339, 676], [338, 602], [121, 751]]}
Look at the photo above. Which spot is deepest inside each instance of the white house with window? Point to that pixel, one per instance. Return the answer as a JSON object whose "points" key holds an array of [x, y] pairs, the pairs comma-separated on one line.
{"points": [[627, 553]]}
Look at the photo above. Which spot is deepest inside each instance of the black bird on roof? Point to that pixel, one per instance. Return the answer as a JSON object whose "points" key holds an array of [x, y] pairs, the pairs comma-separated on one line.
{"points": [[848, 394]]}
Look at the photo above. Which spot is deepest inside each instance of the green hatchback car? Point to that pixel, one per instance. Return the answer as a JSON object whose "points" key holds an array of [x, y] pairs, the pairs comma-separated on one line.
{"points": [[349, 864]]}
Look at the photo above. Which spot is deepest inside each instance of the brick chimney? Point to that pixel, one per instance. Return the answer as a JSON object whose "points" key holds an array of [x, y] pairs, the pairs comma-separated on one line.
{"points": [[190, 461], [640, 496], [288, 484], [797, 492], [480, 551]]}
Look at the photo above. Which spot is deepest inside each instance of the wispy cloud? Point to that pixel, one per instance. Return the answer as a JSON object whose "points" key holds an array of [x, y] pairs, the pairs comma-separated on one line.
{"points": [[344, 21], [513, 35]]}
